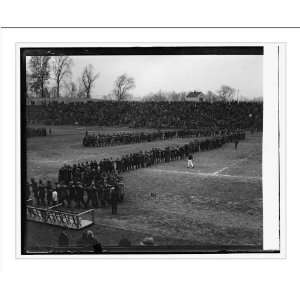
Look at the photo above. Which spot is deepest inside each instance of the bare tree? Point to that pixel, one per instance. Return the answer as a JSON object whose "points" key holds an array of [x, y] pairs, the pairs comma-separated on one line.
{"points": [[71, 89], [87, 80], [226, 93], [40, 73], [122, 85], [211, 96], [61, 67]]}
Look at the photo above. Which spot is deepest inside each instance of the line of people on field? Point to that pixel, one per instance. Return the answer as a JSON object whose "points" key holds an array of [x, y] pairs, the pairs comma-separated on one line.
{"points": [[32, 132], [105, 140], [105, 189], [94, 184]]}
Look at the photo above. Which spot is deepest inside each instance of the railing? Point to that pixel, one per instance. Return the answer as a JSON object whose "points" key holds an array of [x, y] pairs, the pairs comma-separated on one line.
{"points": [[52, 216]]}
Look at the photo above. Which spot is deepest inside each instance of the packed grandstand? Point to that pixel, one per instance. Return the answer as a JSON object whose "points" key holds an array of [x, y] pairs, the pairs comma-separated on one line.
{"points": [[149, 114]]}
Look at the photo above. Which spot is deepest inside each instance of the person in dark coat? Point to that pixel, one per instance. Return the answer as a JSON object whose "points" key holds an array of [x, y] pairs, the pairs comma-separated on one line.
{"points": [[100, 196], [41, 193], [114, 200], [35, 190], [89, 242], [236, 142], [106, 199], [92, 196], [64, 192], [72, 194], [79, 195], [92, 242], [49, 193]]}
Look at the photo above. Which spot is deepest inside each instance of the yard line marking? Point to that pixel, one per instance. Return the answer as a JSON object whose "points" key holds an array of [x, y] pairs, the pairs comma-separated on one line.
{"points": [[220, 171], [230, 166], [209, 174]]}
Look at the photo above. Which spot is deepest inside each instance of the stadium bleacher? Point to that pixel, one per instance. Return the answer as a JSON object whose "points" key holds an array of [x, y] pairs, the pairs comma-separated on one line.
{"points": [[162, 114]]}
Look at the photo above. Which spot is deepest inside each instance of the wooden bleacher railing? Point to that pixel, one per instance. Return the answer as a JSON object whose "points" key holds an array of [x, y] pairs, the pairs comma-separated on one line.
{"points": [[52, 216]]}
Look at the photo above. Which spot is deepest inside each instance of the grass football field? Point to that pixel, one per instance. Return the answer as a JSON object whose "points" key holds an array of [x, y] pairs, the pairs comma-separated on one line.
{"points": [[219, 202]]}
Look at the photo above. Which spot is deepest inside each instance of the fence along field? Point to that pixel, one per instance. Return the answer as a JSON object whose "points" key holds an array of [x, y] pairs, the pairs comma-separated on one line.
{"points": [[218, 202]]}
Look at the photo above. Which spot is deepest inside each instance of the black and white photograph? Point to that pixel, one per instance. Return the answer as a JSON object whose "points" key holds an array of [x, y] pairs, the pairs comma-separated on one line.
{"points": [[142, 150]]}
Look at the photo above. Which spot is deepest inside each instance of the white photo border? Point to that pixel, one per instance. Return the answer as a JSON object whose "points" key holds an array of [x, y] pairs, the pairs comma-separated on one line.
{"points": [[274, 87]]}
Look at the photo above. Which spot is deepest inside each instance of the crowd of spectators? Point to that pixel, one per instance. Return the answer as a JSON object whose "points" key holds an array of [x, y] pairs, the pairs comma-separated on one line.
{"points": [[149, 114]]}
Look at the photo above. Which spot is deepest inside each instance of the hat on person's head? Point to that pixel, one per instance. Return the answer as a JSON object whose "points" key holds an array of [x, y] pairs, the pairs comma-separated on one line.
{"points": [[147, 241]]}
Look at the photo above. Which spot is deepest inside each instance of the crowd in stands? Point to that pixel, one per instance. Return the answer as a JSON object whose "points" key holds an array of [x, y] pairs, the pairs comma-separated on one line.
{"points": [[107, 140], [149, 114], [93, 184], [32, 132]]}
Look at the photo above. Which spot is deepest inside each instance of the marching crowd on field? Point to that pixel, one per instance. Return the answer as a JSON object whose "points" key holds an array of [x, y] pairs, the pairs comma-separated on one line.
{"points": [[105, 140], [93, 184], [31, 132], [79, 186], [149, 114]]}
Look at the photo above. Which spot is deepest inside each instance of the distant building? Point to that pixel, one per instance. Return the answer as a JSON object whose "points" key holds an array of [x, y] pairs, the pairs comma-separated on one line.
{"points": [[195, 96]]}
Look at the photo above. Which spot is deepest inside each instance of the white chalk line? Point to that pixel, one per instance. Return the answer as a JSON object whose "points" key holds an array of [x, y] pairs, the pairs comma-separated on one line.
{"points": [[230, 166], [239, 177]]}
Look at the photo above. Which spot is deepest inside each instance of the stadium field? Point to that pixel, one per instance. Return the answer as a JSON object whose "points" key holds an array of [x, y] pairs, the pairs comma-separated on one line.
{"points": [[219, 202]]}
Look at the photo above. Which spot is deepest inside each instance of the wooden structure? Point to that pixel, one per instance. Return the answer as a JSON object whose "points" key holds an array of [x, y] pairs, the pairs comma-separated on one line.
{"points": [[53, 216]]}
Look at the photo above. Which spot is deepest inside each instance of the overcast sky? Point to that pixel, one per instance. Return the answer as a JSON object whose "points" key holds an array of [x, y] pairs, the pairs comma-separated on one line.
{"points": [[180, 73]]}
